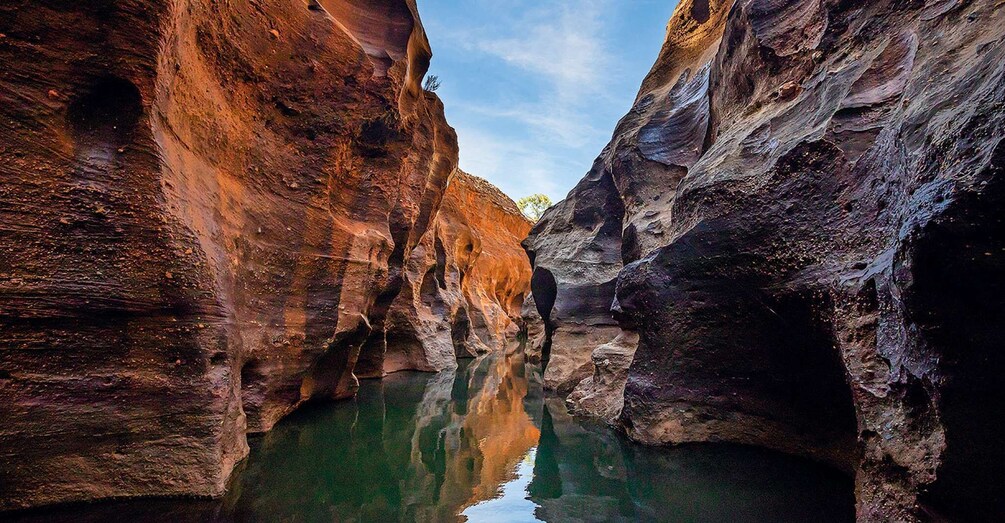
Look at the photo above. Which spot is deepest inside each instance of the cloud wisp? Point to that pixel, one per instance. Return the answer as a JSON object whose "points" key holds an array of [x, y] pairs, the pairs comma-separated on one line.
{"points": [[564, 47], [534, 87]]}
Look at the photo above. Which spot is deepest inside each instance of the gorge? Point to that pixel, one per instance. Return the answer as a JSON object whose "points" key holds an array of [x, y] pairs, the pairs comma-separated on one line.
{"points": [[776, 296]]}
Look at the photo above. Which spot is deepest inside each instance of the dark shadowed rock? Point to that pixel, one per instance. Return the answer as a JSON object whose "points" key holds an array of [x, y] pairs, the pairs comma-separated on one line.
{"points": [[810, 203], [602, 394], [576, 252]]}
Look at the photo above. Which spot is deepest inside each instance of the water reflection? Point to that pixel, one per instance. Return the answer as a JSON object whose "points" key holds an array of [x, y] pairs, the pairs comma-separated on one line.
{"points": [[485, 444]]}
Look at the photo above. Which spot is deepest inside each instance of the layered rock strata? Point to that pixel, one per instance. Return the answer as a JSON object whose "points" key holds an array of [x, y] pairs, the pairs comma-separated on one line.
{"points": [[206, 209], [806, 201]]}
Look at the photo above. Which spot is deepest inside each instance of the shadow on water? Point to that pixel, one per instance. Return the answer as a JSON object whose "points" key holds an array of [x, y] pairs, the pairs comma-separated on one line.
{"points": [[485, 443]]}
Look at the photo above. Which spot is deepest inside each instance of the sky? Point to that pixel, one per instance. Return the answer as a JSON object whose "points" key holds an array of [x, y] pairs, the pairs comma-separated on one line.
{"points": [[536, 87]]}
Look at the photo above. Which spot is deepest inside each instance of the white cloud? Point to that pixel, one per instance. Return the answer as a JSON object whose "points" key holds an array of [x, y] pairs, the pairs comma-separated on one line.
{"points": [[535, 127], [563, 45], [568, 127], [560, 42], [517, 168]]}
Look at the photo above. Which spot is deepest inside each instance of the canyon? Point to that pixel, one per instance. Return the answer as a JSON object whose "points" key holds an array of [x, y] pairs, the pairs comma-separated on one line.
{"points": [[213, 213], [794, 241], [217, 216]]}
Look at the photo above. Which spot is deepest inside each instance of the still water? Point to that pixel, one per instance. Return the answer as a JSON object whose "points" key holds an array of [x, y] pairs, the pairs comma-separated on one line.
{"points": [[485, 444]]}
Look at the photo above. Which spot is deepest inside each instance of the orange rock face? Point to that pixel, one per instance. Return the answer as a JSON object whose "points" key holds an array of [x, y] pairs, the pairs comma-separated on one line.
{"points": [[205, 210], [465, 285]]}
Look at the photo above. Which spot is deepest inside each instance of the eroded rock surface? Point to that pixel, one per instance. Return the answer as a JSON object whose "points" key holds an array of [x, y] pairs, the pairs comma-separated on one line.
{"points": [[464, 285], [206, 209], [602, 394], [576, 252], [807, 201]]}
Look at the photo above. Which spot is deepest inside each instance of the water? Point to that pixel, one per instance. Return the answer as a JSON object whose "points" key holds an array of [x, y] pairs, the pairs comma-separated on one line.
{"points": [[485, 444]]}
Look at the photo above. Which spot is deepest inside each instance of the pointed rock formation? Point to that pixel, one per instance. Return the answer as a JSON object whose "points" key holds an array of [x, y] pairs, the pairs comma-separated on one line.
{"points": [[576, 252]]}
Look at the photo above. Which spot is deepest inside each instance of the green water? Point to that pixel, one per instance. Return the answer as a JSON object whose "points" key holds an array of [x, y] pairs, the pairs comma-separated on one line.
{"points": [[486, 444]]}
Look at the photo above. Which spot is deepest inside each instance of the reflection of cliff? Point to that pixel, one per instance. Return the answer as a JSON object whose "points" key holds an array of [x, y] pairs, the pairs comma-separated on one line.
{"points": [[412, 447], [421, 447], [474, 445], [500, 404], [586, 472], [579, 475]]}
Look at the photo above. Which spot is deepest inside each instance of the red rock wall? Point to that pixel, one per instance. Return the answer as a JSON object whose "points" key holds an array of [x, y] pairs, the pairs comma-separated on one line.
{"points": [[205, 209], [801, 218], [464, 285]]}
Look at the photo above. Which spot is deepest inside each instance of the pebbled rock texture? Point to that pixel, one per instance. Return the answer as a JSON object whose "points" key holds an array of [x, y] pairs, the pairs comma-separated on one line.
{"points": [[206, 209], [807, 201]]}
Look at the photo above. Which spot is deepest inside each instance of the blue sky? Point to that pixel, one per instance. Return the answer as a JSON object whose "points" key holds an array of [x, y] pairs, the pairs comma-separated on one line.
{"points": [[535, 87]]}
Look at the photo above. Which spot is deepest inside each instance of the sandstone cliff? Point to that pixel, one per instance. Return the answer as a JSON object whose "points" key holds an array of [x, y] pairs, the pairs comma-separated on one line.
{"points": [[464, 285], [800, 218], [206, 209]]}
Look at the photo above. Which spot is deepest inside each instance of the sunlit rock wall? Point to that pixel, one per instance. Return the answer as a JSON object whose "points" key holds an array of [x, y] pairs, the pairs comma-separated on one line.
{"points": [[206, 208], [464, 285], [807, 201]]}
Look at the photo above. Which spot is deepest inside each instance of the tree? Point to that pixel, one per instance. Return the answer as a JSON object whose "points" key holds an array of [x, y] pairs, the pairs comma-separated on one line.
{"points": [[534, 206], [432, 83]]}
